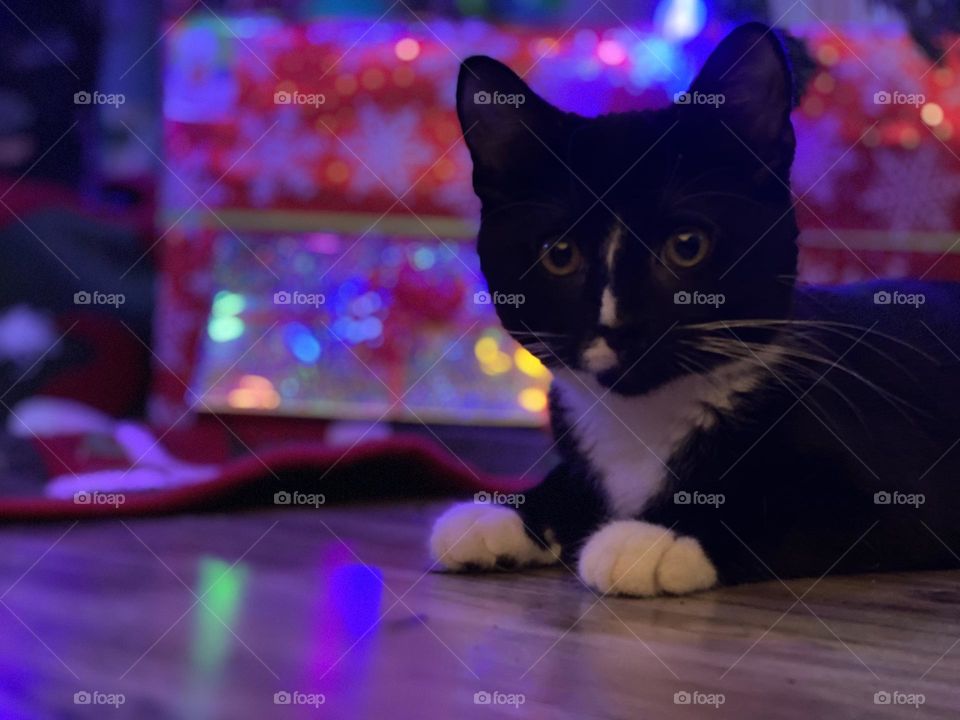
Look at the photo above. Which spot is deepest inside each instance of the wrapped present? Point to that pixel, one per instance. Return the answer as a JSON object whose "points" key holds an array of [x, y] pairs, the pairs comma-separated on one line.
{"points": [[286, 133]]}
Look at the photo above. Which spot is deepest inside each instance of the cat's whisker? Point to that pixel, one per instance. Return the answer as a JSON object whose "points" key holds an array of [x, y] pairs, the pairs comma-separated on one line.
{"points": [[894, 400], [535, 334], [826, 325], [792, 329], [808, 334], [789, 366]]}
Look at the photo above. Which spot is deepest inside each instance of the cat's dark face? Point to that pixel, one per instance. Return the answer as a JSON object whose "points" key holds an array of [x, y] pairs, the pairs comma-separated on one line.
{"points": [[620, 232]]}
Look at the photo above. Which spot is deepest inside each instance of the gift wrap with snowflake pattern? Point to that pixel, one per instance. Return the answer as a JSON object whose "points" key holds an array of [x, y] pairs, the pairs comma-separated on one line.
{"points": [[317, 219]]}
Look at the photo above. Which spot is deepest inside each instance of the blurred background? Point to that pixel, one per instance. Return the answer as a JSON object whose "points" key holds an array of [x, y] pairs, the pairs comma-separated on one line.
{"points": [[261, 211]]}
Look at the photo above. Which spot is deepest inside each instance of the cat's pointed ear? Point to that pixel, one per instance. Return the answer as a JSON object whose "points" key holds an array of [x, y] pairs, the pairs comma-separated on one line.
{"points": [[507, 127], [747, 84]]}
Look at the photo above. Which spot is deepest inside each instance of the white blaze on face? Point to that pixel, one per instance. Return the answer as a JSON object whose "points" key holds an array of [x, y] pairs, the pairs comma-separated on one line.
{"points": [[608, 303], [608, 308], [599, 356]]}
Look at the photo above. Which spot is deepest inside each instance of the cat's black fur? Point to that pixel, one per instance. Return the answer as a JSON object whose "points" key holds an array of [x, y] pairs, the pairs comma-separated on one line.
{"points": [[866, 400]]}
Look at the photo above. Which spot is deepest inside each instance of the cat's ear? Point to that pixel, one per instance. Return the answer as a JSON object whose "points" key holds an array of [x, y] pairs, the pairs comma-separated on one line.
{"points": [[507, 127], [747, 84]]}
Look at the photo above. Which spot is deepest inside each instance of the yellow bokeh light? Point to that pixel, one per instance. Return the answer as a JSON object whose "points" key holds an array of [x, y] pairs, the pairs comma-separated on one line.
{"points": [[255, 392], [828, 55], [497, 365], [529, 364], [909, 138], [493, 361], [931, 114], [407, 49], [533, 399], [486, 349]]}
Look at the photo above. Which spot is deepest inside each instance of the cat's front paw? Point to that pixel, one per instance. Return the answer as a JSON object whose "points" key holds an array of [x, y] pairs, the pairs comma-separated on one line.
{"points": [[630, 557], [473, 536]]}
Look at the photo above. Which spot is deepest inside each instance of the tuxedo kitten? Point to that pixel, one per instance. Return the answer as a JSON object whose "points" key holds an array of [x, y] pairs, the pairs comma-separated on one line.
{"points": [[716, 422]]}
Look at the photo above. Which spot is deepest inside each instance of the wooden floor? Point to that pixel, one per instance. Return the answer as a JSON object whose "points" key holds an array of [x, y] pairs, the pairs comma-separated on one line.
{"points": [[210, 616]]}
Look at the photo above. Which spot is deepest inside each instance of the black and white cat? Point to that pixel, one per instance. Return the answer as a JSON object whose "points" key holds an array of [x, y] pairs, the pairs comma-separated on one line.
{"points": [[717, 423]]}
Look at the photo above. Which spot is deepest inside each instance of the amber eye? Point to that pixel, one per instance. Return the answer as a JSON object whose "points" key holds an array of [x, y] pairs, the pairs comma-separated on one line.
{"points": [[561, 257], [686, 248]]}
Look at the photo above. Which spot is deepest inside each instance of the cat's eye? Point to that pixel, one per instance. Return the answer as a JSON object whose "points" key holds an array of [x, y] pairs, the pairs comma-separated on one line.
{"points": [[561, 257], [686, 248]]}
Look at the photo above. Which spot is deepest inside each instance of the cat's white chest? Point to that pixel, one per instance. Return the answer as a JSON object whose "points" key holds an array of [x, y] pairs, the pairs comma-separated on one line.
{"points": [[629, 440]]}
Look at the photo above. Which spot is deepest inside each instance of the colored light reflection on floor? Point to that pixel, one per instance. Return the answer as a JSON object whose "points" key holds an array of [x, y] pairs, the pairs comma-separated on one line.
{"points": [[346, 618], [222, 588]]}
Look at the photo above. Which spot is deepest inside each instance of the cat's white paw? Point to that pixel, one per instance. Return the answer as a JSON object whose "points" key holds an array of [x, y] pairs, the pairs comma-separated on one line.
{"points": [[483, 537], [629, 557]]}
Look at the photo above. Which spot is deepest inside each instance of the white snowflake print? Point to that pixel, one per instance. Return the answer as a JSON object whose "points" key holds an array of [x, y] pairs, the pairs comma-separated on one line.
{"points": [[392, 151], [888, 69], [278, 161], [913, 190]]}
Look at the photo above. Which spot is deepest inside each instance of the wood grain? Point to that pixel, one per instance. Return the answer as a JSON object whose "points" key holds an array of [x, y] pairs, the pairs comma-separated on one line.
{"points": [[335, 601]]}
